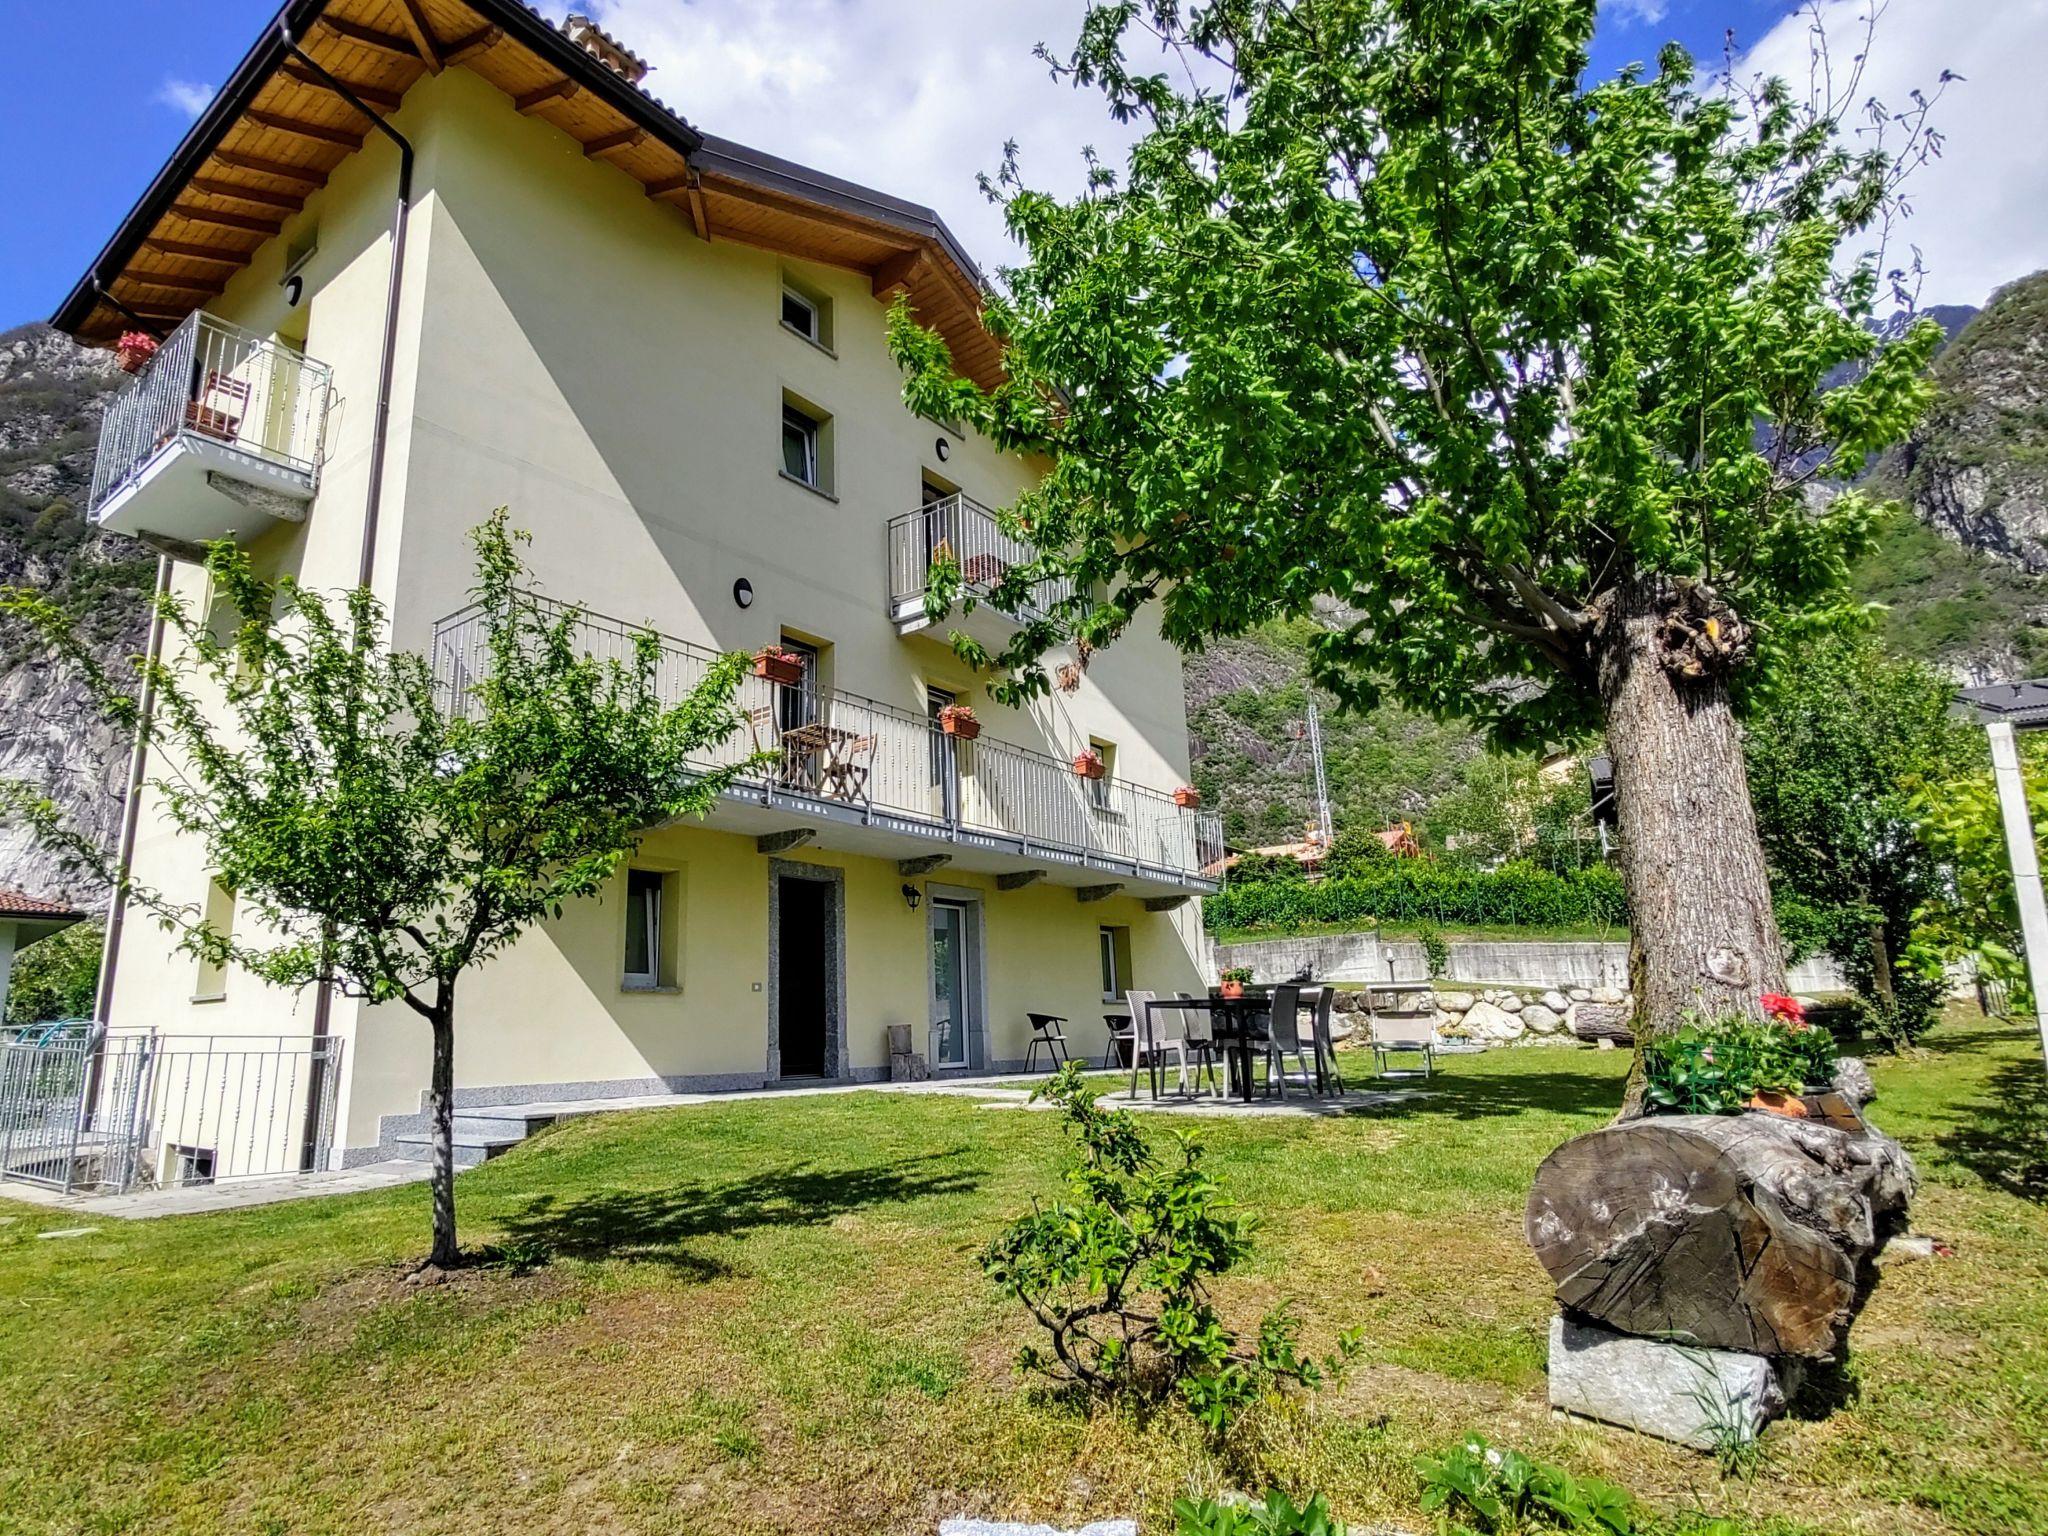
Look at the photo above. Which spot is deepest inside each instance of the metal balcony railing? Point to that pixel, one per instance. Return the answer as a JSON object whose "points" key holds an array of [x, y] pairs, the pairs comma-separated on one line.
{"points": [[849, 755], [218, 383], [970, 533]]}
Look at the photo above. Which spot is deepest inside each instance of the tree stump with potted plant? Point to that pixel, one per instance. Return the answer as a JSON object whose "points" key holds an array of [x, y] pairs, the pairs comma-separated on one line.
{"points": [[1744, 1214]]}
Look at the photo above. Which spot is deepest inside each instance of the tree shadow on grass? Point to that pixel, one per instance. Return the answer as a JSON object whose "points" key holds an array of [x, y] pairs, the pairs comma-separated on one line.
{"points": [[655, 1225], [2002, 1137], [1492, 1095]]}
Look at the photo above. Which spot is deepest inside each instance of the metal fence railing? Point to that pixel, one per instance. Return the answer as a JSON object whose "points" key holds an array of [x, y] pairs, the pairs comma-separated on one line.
{"points": [[840, 749], [229, 386], [82, 1109], [970, 533]]}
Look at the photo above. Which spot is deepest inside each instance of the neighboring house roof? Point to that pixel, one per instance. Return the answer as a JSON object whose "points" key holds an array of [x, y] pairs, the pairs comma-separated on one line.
{"points": [[15, 904], [274, 133]]}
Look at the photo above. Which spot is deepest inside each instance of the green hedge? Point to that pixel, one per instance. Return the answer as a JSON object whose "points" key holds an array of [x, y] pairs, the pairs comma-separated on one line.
{"points": [[1419, 891]]}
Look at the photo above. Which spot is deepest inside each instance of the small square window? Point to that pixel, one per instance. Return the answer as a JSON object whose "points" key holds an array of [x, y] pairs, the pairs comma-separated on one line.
{"points": [[800, 446], [801, 316]]}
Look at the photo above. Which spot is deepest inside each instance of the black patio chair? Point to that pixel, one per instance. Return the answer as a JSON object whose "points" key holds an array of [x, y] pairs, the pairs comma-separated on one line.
{"points": [[1048, 1035]]}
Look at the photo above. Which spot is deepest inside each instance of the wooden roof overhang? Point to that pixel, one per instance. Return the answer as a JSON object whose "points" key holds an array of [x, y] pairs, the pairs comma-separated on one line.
{"points": [[276, 132]]}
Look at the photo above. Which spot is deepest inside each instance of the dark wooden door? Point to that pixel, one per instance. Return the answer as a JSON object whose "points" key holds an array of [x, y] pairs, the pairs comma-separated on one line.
{"points": [[801, 975]]}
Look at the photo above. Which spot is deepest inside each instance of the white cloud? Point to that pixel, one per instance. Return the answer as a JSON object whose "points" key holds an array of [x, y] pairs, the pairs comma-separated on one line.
{"points": [[915, 97], [1646, 12], [912, 97], [1980, 212], [184, 96]]}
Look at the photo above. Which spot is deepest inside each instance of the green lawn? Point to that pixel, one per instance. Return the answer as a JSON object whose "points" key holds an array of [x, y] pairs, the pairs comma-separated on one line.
{"points": [[766, 1316]]}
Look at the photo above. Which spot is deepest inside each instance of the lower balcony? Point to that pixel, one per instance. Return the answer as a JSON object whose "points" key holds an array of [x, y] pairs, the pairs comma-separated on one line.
{"points": [[860, 776], [218, 437]]}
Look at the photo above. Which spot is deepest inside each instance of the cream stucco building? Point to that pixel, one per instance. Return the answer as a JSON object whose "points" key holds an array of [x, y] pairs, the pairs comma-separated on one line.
{"points": [[423, 258]]}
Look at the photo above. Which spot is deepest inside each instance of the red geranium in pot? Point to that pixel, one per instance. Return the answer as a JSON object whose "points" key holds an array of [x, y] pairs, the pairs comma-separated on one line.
{"points": [[959, 720], [1089, 764], [1187, 797], [134, 350]]}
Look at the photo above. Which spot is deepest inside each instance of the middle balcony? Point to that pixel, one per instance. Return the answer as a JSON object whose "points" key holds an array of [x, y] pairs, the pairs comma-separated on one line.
{"points": [[963, 530]]}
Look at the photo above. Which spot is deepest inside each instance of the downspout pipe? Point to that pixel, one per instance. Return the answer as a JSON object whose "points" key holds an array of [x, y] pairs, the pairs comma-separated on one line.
{"points": [[131, 806], [400, 217], [373, 501]]}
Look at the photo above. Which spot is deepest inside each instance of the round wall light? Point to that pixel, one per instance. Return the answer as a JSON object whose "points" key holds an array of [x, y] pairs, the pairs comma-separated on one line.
{"points": [[943, 449], [743, 592]]}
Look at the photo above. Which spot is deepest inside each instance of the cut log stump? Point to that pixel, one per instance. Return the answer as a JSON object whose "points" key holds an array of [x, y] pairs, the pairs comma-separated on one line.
{"points": [[1752, 1232]]}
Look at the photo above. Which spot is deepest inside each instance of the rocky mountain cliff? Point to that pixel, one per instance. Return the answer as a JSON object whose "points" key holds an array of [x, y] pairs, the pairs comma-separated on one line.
{"points": [[52, 394]]}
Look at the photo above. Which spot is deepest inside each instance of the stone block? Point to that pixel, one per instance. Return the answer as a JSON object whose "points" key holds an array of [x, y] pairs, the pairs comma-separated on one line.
{"points": [[908, 1067], [1697, 1397], [1455, 1002], [1510, 1002], [1609, 995], [1489, 1021], [1556, 1001], [1541, 1019]]}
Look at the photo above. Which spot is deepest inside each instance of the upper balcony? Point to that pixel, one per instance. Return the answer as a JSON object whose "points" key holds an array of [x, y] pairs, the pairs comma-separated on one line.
{"points": [[854, 774], [218, 437], [970, 534]]}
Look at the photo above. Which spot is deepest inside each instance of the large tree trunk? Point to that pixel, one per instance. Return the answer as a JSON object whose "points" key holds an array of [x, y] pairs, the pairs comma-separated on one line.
{"points": [[1749, 1232], [441, 1106], [1703, 936]]}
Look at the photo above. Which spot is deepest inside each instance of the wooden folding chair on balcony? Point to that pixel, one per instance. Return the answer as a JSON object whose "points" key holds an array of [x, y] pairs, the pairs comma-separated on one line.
{"points": [[218, 408]]}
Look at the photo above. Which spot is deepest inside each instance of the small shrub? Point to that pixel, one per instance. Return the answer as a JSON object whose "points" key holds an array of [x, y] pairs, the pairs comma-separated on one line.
{"points": [[1435, 952], [1716, 1067], [1500, 1492], [1278, 1516], [1241, 974], [1117, 1274], [1411, 891]]}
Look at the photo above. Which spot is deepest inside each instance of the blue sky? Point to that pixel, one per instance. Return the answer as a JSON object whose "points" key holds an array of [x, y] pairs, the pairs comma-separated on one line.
{"points": [[75, 151]]}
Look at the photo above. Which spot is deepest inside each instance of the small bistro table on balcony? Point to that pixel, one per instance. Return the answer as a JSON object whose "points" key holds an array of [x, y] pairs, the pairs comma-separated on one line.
{"points": [[841, 771]]}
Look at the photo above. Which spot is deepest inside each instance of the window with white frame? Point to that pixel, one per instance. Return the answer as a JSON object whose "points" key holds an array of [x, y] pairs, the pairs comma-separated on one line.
{"points": [[643, 928], [801, 315], [1115, 946], [802, 446]]}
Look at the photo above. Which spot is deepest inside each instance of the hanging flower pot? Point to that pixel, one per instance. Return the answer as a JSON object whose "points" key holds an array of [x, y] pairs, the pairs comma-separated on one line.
{"points": [[134, 350], [1089, 765], [1187, 797], [958, 720], [779, 666], [1067, 676]]}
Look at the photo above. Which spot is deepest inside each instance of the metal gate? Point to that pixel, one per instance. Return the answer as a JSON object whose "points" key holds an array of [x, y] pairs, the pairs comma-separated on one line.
{"points": [[82, 1109]]}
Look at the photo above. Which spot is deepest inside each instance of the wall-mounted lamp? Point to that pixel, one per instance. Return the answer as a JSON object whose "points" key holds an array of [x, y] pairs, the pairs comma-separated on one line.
{"points": [[943, 449], [743, 592], [911, 896]]}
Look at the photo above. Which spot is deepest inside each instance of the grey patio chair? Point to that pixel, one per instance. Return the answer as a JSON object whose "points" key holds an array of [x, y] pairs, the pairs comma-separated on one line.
{"points": [[1137, 1002], [1155, 1037], [1326, 1045], [1199, 1033], [1403, 1032], [1283, 1039]]}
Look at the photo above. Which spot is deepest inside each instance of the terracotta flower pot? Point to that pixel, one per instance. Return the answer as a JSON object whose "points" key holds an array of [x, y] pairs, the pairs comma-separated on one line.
{"points": [[779, 667], [960, 723], [134, 350], [1187, 797], [1230, 988], [1770, 1101], [1089, 766]]}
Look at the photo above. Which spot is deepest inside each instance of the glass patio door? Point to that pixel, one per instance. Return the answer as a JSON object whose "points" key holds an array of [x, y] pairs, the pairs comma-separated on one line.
{"points": [[952, 985]]}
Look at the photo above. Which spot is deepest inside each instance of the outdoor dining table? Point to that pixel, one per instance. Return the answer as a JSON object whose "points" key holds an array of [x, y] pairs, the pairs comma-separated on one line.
{"points": [[838, 770], [1235, 1022]]}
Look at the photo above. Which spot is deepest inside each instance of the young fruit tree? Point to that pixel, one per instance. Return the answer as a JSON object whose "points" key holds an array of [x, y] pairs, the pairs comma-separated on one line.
{"points": [[1528, 375], [377, 838]]}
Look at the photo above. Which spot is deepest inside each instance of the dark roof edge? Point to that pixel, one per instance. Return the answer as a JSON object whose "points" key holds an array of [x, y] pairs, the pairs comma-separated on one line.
{"points": [[263, 58], [776, 174]]}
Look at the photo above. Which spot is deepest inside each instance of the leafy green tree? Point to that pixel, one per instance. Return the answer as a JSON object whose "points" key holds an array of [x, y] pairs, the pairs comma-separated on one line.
{"points": [[1837, 749], [56, 977], [1530, 372], [377, 839]]}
